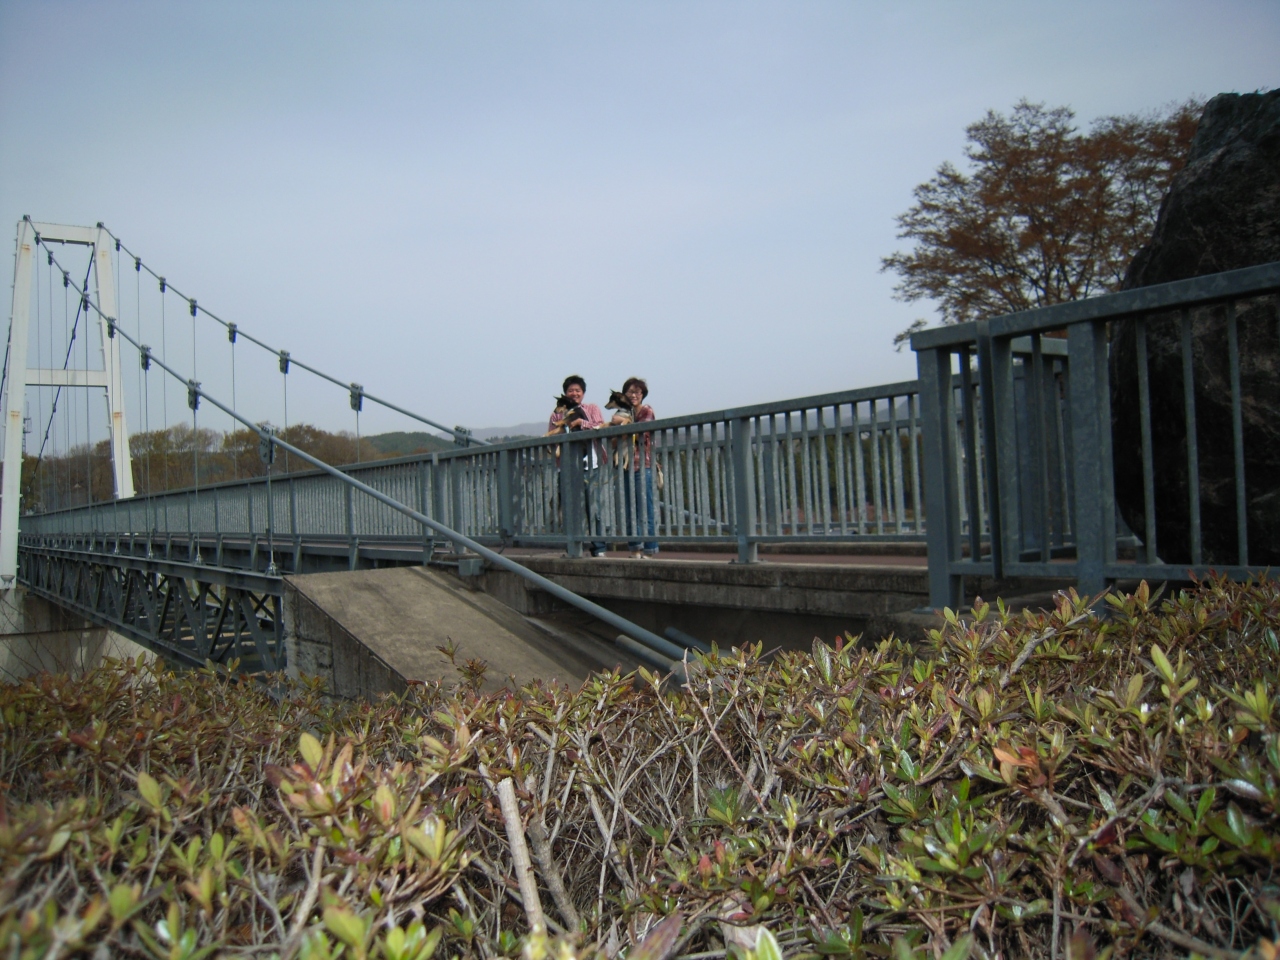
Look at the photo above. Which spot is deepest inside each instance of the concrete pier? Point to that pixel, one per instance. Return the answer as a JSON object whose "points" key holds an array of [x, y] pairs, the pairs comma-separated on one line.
{"points": [[38, 636], [368, 632]]}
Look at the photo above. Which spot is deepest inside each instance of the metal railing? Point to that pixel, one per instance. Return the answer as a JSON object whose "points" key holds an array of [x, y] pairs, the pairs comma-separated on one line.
{"points": [[835, 467], [1018, 431]]}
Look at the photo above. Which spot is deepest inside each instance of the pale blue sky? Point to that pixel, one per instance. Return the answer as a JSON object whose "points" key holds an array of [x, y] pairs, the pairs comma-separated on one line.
{"points": [[457, 204]]}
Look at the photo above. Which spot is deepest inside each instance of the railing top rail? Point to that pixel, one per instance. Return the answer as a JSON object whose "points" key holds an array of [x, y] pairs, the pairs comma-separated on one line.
{"points": [[799, 404], [1248, 281]]}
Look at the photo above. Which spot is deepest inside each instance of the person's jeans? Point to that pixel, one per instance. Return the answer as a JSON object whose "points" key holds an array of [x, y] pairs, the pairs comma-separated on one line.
{"points": [[637, 509]]}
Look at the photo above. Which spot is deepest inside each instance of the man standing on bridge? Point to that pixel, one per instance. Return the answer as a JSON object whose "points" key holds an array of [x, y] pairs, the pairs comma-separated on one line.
{"points": [[574, 389]]}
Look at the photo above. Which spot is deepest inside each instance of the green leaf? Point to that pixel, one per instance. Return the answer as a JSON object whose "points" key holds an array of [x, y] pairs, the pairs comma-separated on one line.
{"points": [[822, 659], [311, 751], [767, 946], [1162, 840], [1206, 802], [150, 790], [961, 949], [1239, 826], [346, 926], [1162, 664], [1180, 806], [123, 901]]}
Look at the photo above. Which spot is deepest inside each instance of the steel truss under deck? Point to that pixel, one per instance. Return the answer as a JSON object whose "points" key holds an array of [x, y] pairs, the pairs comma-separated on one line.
{"points": [[187, 612]]}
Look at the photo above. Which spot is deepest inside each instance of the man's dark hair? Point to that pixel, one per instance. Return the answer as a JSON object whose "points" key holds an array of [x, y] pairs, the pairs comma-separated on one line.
{"points": [[644, 387], [572, 379]]}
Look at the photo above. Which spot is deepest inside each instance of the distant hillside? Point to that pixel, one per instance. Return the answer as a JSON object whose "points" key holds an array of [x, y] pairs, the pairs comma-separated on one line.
{"points": [[517, 432], [400, 443]]}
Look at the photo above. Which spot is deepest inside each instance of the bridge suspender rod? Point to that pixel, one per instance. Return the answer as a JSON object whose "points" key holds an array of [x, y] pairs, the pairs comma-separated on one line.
{"points": [[353, 388], [659, 645]]}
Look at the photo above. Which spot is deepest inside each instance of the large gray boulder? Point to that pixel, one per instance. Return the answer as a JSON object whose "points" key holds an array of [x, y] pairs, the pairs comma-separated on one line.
{"points": [[1222, 213]]}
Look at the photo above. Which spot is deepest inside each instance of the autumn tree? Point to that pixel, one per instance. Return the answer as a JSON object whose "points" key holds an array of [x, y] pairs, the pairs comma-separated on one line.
{"points": [[1043, 215]]}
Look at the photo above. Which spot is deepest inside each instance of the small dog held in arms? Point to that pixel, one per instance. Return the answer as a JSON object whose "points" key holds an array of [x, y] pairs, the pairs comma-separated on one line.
{"points": [[618, 401], [571, 414], [624, 450]]}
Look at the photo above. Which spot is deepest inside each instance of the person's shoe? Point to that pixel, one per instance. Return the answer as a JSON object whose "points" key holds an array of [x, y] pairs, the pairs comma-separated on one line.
{"points": [[636, 554]]}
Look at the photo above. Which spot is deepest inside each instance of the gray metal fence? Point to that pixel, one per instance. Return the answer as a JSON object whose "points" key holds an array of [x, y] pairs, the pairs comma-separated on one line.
{"points": [[1018, 433], [836, 467]]}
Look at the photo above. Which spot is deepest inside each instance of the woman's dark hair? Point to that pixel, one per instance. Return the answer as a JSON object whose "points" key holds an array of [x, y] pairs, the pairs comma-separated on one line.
{"points": [[571, 379], [644, 387]]}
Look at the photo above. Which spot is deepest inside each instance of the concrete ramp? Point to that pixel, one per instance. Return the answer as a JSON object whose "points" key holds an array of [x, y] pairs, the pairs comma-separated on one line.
{"points": [[373, 631]]}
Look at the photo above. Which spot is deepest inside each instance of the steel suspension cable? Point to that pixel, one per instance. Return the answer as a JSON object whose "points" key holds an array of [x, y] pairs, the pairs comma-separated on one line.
{"points": [[71, 340], [164, 388], [284, 380], [88, 403], [39, 354], [193, 401], [137, 316], [145, 365], [235, 453], [457, 434], [67, 411]]}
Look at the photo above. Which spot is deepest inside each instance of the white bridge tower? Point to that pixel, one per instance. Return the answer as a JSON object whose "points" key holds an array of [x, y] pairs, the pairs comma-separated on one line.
{"points": [[18, 376]]}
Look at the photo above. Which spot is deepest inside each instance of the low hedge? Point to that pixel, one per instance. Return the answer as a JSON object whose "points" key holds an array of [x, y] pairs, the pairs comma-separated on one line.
{"points": [[1061, 784]]}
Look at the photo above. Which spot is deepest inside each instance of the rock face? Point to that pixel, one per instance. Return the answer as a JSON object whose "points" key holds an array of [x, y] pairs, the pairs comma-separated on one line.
{"points": [[1222, 213]]}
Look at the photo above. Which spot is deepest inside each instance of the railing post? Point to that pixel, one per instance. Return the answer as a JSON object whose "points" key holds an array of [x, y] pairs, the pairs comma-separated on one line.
{"points": [[942, 498], [350, 509], [428, 538], [440, 485], [1090, 406], [505, 505], [744, 490], [572, 497], [454, 471], [293, 528], [995, 387]]}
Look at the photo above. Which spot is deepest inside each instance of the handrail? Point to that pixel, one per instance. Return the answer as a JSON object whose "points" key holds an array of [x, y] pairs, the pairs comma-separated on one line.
{"points": [[775, 408], [1026, 443], [1193, 292]]}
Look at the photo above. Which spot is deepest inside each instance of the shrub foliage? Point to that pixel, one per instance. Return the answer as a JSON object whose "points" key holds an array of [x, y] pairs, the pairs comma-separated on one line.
{"points": [[1044, 785]]}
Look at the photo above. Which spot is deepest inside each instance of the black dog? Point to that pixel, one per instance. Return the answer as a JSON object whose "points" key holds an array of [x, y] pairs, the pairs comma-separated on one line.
{"points": [[619, 402], [572, 416]]}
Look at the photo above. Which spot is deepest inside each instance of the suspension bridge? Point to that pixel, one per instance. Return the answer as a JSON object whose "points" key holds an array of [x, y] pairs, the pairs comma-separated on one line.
{"points": [[996, 462]]}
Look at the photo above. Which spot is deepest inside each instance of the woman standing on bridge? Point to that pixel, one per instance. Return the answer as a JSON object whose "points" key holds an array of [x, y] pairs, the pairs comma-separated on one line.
{"points": [[637, 464]]}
